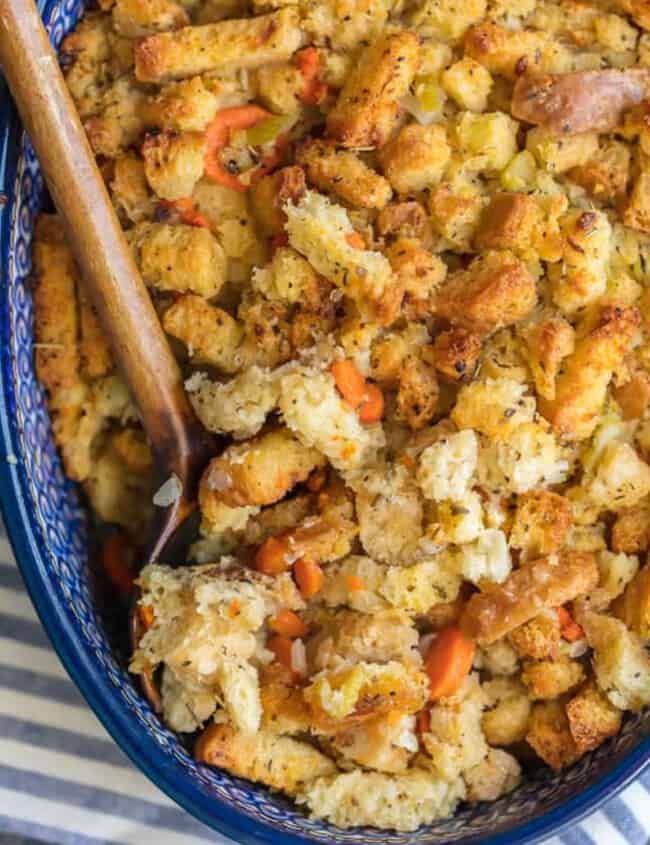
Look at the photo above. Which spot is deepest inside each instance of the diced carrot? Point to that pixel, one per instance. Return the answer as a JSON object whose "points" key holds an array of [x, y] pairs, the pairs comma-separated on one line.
{"points": [[423, 722], [309, 577], [355, 584], [309, 64], [146, 615], [569, 628], [281, 648], [371, 410], [271, 557], [117, 560], [355, 239], [234, 608], [448, 662], [187, 211], [288, 624], [217, 136], [349, 381]]}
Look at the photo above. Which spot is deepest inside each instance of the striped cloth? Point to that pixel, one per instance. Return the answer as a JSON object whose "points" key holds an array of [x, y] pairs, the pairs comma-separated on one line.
{"points": [[63, 779]]}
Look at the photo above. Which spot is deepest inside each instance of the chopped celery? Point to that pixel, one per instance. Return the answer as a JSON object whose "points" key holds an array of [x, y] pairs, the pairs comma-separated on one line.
{"points": [[267, 131]]}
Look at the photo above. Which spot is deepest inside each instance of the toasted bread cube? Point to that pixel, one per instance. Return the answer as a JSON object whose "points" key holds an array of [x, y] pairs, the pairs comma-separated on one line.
{"points": [[548, 340], [277, 761], [621, 663], [391, 350], [637, 211], [621, 478], [129, 189], [544, 583], [85, 57], [633, 607], [509, 222], [269, 196], [455, 215], [118, 122], [580, 390], [95, 355], [345, 24], [416, 158], [136, 18], [367, 109], [551, 678], [378, 744], [447, 467], [258, 472], [211, 334], [173, 163], [541, 524], [633, 397], [420, 273], [631, 531], [496, 290], [549, 735], [505, 720], [455, 353], [179, 258], [539, 638], [247, 43], [186, 106], [508, 52], [592, 718], [605, 175], [418, 392], [468, 83], [490, 137], [344, 174], [445, 20], [494, 407], [498, 774], [557, 155], [406, 220]]}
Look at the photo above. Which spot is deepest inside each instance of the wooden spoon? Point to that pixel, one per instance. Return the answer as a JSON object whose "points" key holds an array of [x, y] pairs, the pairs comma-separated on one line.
{"points": [[180, 444]]}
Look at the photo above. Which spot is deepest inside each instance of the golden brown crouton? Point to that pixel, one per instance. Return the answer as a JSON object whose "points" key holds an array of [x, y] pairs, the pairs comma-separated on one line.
{"points": [[551, 678], [510, 222], [541, 524], [510, 52], [445, 20], [417, 395], [544, 583], [496, 290], [455, 215], [344, 24], [416, 158], [550, 736], [637, 211], [211, 334], [631, 531], [367, 109], [605, 176], [248, 43], [344, 174], [179, 258], [592, 718], [136, 18], [258, 472], [280, 87], [633, 397], [548, 340], [580, 390], [455, 353], [633, 607], [391, 350], [277, 761], [376, 744], [129, 189], [420, 273], [283, 708], [173, 163], [506, 718], [95, 356], [329, 535], [407, 220], [539, 638], [186, 106], [117, 124], [638, 9], [269, 196]]}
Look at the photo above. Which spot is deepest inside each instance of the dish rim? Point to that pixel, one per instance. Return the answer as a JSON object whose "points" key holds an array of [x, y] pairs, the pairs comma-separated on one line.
{"points": [[95, 686]]}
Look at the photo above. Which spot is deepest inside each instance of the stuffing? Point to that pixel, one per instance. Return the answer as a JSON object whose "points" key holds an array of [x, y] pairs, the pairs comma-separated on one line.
{"points": [[280, 762], [633, 607], [592, 718], [205, 620], [344, 24], [468, 83], [494, 408], [385, 744], [489, 140], [280, 87], [496, 290], [606, 173], [258, 472], [419, 273], [407, 219], [284, 711], [291, 279], [136, 18], [320, 230], [539, 638], [620, 662], [418, 392], [193, 50], [621, 478], [343, 173], [117, 121], [580, 278], [158, 248], [399, 802], [329, 535], [238, 407], [637, 211], [530, 457], [416, 158], [185, 106], [455, 521], [545, 583], [498, 774], [447, 467], [312, 407], [559, 155], [549, 735], [455, 213], [367, 109], [581, 388], [129, 189], [455, 353], [547, 679], [510, 222], [455, 741], [541, 523], [631, 531], [360, 583], [389, 511], [269, 195], [391, 350], [445, 20], [548, 340], [173, 163], [616, 571], [633, 397], [510, 52], [211, 335], [505, 720], [486, 559]]}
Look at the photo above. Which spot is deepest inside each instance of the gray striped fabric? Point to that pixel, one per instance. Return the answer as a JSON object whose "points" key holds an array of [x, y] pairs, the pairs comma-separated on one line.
{"points": [[63, 780]]}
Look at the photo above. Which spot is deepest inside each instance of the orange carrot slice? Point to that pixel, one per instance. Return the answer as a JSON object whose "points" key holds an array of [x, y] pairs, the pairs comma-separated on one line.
{"points": [[117, 559], [281, 648], [355, 239], [371, 410], [288, 624], [355, 584], [448, 662], [271, 557], [349, 381], [309, 64], [187, 211], [309, 577], [569, 628], [217, 136]]}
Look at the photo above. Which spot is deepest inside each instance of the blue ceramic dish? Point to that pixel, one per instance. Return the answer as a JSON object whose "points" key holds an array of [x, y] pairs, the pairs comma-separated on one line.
{"points": [[47, 527]]}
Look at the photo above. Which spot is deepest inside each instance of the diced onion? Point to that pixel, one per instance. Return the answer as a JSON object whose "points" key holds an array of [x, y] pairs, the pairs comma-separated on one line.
{"points": [[169, 492]]}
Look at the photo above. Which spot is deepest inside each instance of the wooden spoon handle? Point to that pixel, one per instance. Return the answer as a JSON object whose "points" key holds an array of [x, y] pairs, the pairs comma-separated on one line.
{"points": [[95, 236]]}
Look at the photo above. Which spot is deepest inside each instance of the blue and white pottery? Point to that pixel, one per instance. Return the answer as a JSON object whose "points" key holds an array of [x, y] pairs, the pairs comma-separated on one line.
{"points": [[47, 527]]}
